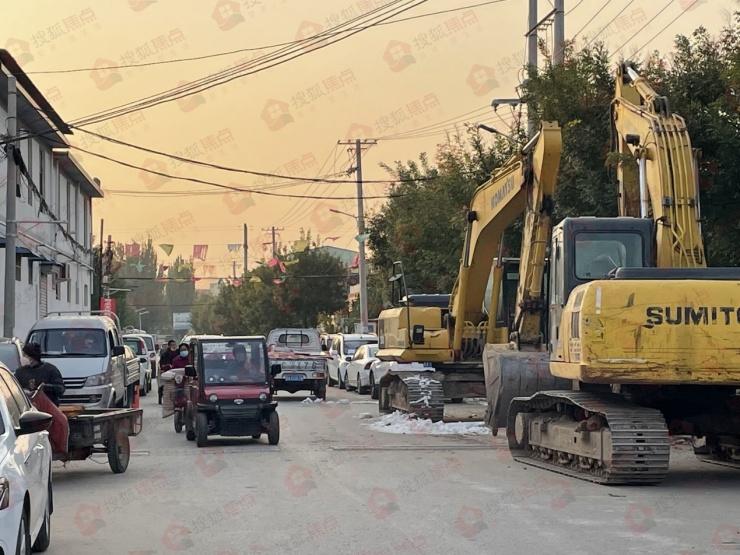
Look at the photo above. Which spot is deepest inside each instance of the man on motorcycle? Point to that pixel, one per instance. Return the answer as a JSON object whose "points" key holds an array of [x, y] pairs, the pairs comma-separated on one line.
{"points": [[165, 363]]}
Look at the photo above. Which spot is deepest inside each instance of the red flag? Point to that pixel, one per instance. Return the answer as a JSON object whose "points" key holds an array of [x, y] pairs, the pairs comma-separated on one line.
{"points": [[273, 262], [200, 251], [132, 249], [356, 261], [331, 238]]}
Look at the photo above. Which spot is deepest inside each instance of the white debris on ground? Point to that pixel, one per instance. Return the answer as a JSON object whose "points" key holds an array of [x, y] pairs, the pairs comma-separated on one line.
{"points": [[364, 416], [402, 423], [311, 401]]}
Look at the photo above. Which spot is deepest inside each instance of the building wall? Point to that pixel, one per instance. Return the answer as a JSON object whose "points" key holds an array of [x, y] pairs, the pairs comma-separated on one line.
{"points": [[68, 202]]}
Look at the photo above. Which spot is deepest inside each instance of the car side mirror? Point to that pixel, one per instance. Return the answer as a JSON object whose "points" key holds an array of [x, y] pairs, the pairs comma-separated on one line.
{"points": [[118, 351], [275, 369], [347, 358], [33, 421], [417, 335], [142, 359], [190, 371]]}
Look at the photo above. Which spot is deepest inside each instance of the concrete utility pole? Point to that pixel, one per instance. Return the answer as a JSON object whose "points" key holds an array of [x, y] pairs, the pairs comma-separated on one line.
{"points": [[358, 144], [11, 227], [246, 251], [532, 61], [558, 51]]}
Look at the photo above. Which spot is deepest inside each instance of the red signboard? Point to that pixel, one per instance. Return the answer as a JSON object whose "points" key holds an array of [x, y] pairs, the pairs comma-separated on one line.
{"points": [[108, 305]]}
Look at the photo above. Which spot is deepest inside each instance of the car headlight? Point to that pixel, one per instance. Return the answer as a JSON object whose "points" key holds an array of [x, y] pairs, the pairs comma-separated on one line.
{"points": [[263, 396], [98, 379], [4, 493], [213, 398]]}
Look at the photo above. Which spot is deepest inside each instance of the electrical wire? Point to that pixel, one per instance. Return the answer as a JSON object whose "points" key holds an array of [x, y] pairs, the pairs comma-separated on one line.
{"points": [[590, 20], [664, 8], [671, 22], [605, 27], [251, 49]]}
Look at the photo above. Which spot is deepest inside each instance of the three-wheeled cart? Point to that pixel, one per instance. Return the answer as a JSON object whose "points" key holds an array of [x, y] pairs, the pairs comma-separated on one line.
{"points": [[101, 431]]}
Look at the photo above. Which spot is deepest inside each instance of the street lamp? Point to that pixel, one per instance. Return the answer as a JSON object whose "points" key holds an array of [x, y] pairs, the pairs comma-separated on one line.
{"points": [[362, 266], [141, 312]]}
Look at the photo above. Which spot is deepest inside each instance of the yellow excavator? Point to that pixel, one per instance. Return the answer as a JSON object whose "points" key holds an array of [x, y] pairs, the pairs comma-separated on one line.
{"points": [[432, 345], [645, 336]]}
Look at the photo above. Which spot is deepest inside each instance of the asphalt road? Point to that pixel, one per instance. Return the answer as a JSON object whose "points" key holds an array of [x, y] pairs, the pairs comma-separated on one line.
{"points": [[334, 486]]}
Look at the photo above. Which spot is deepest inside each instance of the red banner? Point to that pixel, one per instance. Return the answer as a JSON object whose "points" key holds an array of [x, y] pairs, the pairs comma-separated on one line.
{"points": [[108, 305]]}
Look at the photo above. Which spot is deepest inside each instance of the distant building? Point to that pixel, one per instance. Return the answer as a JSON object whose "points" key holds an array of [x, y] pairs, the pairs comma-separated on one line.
{"points": [[345, 255], [53, 260]]}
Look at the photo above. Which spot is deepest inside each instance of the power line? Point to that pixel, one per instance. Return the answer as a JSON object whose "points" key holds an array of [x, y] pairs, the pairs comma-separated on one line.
{"points": [[605, 27], [671, 22], [664, 8], [590, 20], [251, 49]]}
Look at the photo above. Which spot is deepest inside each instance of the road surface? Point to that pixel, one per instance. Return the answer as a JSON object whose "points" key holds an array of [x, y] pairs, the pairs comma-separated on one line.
{"points": [[333, 485]]}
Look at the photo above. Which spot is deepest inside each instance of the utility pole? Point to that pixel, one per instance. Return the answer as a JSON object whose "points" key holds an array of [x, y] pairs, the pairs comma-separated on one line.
{"points": [[246, 250], [233, 266], [108, 268], [273, 231], [358, 144], [558, 50], [11, 226], [532, 63]]}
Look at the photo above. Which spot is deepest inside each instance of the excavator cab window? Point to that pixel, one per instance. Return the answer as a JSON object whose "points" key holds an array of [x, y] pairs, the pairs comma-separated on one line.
{"points": [[597, 254]]}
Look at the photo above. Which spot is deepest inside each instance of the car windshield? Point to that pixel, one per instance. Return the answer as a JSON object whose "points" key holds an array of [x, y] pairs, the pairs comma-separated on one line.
{"points": [[70, 342], [371, 351], [350, 346], [9, 356], [136, 346], [234, 362], [149, 342]]}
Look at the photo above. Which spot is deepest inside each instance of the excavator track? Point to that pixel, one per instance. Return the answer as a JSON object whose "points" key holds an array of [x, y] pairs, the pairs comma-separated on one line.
{"points": [[597, 437], [416, 394]]}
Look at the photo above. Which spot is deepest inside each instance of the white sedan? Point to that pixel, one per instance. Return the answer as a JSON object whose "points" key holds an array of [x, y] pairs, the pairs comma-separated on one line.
{"points": [[357, 375], [25, 471]]}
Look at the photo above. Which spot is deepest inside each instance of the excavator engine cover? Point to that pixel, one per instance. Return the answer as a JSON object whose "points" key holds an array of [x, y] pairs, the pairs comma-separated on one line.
{"points": [[509, 374]]}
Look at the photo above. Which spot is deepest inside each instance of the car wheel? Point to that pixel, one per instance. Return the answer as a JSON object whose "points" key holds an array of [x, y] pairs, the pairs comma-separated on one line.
{"points": [[373, 387], [44, 537], [201, 429], [23, 544], [273, 428], [339, 380], [358, 387], [178, 422], [190, 435], [143, 389], [321, 392]]}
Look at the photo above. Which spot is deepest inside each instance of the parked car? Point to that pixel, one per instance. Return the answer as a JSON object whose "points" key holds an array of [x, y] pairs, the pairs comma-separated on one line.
{"points": [[341, 351], [10, 352], [303, 364], [358, 376], [152, 348], [90, 354], [25, 471], [137, 344]]}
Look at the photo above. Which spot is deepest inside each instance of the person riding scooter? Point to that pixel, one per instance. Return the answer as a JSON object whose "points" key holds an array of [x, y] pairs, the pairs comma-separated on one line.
{"points": [[35, 373]]}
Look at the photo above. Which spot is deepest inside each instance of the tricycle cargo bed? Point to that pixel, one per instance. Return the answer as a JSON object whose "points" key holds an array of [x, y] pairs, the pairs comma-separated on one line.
{"points": [[96, 426]]}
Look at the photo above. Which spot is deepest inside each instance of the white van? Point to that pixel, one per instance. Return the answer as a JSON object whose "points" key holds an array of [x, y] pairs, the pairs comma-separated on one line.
{"points": [[89, 353]]}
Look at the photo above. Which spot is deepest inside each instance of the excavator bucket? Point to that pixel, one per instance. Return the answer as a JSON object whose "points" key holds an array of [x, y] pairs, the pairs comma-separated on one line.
{"points": [[509, 374]]}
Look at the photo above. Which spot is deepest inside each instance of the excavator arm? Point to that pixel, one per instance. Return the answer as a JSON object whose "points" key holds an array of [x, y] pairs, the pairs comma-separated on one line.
{"points": [[524, 185], [657, 170]]}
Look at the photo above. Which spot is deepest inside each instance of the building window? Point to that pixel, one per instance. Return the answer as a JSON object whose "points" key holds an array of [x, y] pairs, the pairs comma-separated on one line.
{"points": [[87, 295], [18, 269], [30, 271]]}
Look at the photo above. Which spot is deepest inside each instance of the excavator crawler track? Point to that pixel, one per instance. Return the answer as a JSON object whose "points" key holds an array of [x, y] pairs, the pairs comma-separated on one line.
{"points": [[635, 446], [419, 395]]}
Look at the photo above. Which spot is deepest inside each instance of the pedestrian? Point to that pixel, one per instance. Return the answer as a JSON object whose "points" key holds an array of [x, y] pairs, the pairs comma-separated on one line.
{"points": [[34, 373], [165, 363]]}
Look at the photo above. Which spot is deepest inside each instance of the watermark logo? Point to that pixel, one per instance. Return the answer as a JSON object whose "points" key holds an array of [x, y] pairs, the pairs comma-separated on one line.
{"points": [[210, 464], [306, 31], [227, 14], [190, 102], [88, 519], [140, 5], [20, 49], [238, 202], [176, 537], [299, 481], [469, 522], [482, 79], [358, 131], [103, 75], [398, 55], [152, 180], [382, 502], [639, 518], [276, 114]]}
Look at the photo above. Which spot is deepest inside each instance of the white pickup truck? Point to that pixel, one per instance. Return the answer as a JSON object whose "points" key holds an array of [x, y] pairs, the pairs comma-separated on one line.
{"points": [[298, 352]]}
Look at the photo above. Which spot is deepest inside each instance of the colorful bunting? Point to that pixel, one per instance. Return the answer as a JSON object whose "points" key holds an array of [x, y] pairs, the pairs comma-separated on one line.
{"points": [[167, 248], [200, 251]]}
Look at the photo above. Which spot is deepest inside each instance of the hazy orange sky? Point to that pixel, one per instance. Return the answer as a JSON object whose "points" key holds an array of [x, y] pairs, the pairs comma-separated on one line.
{"points": [[381, 82]]}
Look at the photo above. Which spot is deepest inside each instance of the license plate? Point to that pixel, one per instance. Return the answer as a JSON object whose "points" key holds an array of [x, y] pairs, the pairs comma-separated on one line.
{"points": [[294, 378]]}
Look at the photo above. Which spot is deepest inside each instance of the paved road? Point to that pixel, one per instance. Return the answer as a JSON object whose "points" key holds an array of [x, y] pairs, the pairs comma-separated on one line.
{"points": [[334, 486]]}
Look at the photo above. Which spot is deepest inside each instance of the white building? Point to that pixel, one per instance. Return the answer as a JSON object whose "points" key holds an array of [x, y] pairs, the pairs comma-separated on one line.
{"points": [[53, 207]]}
